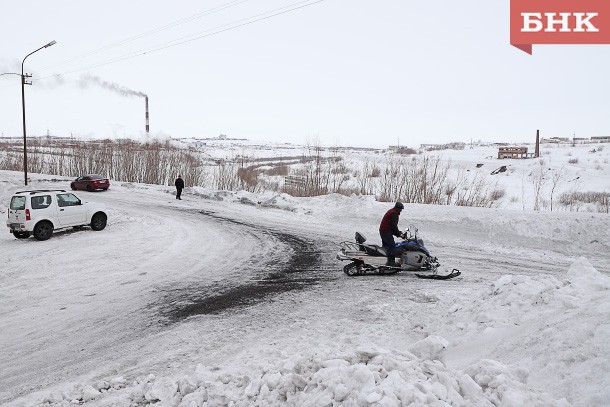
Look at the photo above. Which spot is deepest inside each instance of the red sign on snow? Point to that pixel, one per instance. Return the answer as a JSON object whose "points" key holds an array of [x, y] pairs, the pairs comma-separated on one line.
{"points": [[559, 22]]}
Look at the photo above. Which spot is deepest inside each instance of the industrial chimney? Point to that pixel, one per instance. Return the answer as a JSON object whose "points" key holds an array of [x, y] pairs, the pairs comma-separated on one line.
{"points": [[146, 102], [536, 154]]}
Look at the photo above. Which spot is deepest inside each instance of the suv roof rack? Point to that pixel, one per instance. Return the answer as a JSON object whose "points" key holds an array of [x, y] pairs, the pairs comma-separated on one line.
{"points": [[35, 191]]}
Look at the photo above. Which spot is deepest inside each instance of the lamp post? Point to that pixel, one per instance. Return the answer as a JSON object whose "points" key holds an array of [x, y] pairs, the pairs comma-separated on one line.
{"points": [[23, 82]]}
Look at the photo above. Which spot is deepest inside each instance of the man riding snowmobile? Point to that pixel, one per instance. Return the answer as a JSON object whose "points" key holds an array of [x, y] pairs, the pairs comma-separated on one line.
{"points": [[366, 259], [388, 229]]}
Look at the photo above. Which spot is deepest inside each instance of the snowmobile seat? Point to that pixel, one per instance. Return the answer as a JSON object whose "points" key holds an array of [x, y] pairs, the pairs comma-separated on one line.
{"points": [[374, 250]]}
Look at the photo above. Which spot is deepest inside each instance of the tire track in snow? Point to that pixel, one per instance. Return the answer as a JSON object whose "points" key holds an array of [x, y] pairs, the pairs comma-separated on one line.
{"points": [[299, 264]]}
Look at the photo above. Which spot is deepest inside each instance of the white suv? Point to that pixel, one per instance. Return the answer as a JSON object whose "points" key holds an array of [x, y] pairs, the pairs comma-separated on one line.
{"points": [[40, 212]]}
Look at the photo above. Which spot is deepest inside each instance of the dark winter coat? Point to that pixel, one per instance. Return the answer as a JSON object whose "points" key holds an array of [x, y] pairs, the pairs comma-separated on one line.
{"points": [[179, 183], [389, 223]]}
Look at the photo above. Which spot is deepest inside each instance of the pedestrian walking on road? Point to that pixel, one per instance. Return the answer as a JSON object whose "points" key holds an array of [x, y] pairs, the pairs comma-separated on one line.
{"points": [[179, 183]]}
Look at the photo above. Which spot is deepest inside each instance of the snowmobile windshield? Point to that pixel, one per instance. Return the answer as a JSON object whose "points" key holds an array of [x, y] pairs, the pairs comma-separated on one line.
{"points": [[411, 232]]}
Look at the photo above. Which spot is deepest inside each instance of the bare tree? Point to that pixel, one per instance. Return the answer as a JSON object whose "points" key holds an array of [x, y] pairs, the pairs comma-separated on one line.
{"points": [[538, 181], [365, 177], [556, 177]]}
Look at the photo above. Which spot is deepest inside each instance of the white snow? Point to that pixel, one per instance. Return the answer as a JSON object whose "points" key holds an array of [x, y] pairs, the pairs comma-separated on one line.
{"points": [[85, 315]]}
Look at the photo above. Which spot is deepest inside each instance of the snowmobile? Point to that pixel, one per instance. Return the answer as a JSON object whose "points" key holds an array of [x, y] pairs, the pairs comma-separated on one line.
{"points": [[410, 253]]}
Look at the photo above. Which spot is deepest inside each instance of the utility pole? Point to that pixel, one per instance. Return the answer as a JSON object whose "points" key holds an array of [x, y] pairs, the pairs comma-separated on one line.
{"points": [[23, 83], [25, 149]]}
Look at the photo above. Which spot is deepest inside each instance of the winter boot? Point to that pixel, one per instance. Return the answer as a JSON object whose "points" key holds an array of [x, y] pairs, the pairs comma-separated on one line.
{"points": [[391, 262]]}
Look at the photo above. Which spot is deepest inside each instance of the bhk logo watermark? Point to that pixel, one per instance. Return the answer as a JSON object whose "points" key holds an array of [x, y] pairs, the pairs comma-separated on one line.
{"points": [[559, 22]]}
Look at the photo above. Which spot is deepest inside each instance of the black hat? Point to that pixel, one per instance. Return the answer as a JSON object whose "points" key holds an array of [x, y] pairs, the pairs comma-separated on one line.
{"points": [[399, 206]]}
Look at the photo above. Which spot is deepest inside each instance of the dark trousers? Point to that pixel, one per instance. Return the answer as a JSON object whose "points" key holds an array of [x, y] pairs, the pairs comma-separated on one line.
{"points": [[387, 240], [178, 193]]}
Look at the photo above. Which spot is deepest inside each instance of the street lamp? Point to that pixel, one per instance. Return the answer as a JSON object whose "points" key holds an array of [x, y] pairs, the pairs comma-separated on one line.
{"points": [[23, 82]]}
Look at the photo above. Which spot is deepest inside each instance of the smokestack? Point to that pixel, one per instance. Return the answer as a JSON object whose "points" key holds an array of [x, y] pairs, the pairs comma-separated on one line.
{"points": [[537, 153], [146, 102]]}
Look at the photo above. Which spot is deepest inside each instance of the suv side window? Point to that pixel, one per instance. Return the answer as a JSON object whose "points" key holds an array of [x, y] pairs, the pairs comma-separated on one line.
{"points": [[41, 202], [18, 203], [67, 200]]}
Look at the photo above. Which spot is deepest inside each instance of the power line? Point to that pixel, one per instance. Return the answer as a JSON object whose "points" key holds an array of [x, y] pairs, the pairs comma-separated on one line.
{"points": [[182, 40], [150, 32]]}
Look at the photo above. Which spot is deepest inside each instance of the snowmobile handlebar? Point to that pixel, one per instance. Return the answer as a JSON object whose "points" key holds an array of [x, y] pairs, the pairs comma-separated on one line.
{"points": [[409, 233]]}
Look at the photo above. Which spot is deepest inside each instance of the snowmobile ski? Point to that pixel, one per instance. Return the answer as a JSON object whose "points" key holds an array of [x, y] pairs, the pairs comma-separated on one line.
{"points": [[454, 273]]}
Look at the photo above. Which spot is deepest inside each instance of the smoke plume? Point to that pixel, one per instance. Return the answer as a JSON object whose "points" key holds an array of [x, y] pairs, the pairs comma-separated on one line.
{"points": [[87, 80]]}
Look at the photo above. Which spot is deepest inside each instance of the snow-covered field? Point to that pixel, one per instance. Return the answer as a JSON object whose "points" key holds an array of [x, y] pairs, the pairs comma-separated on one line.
{"points": [[237, 299], [561, 168]]}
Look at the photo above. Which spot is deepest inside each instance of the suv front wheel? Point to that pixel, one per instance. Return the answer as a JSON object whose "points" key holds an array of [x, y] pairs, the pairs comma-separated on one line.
{"points": [[43, 230], [98, 221]]}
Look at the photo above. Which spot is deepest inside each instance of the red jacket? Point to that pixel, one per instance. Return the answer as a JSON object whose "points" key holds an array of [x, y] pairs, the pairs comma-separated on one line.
{"points": [[389, 223]]}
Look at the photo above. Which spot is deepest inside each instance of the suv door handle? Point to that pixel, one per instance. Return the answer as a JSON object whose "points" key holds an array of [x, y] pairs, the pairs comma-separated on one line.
{"points": [[61, 209]]}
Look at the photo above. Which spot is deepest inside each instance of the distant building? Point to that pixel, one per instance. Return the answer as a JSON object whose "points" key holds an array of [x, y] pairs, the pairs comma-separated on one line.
{"points": [[554, 140], [514, 152], [402, 150], [449, 146], [603, 139]]}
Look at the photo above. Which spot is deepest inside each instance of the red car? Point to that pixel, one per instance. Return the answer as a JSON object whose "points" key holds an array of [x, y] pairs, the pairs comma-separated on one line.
{"points": [[90, 183]]}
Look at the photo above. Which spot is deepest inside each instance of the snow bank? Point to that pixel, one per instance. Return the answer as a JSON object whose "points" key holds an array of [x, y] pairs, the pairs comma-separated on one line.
{"points": [[365, 377], [559, 329]]}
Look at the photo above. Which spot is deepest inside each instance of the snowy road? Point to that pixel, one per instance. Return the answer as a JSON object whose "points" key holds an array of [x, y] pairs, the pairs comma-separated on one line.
{"points": [[113, 289]]}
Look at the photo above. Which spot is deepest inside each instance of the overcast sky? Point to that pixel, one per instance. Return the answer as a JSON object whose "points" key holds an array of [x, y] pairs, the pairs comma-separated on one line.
{"points": [[342, 72]]}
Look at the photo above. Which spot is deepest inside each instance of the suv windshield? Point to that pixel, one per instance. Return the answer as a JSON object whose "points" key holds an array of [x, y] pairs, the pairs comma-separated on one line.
{"points": [[18, 203]]}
